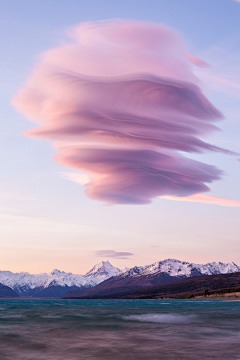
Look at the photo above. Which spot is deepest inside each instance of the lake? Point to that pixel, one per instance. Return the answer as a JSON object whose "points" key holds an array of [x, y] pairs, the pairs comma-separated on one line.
{"points": [[119, 329]]}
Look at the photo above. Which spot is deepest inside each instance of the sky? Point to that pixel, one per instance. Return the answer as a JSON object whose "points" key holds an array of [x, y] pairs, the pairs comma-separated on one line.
{"points": [[119, 133]]}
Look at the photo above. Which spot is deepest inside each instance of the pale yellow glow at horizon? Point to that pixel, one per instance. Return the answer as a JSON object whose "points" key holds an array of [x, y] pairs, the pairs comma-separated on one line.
{"points": [[205, 199]]}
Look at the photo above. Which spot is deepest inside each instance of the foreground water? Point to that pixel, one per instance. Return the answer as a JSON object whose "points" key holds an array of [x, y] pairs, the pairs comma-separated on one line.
{"points": [[119, 329]]}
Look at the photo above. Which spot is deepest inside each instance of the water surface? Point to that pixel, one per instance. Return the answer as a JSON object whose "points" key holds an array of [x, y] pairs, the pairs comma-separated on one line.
{"points": [[119, 330]]}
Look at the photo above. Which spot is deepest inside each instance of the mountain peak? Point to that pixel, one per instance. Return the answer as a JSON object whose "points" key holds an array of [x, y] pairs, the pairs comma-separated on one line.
{"points": [[56, 272], [105, 264], [103, 269]]}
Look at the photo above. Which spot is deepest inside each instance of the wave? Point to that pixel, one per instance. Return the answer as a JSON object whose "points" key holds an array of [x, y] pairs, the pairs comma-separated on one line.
{"points": [[9, 316], [51, 316], [161, 318]]}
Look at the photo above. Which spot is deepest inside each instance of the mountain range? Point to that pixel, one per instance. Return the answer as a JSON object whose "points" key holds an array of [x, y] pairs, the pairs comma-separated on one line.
{"points": [[104, 278], [56, 283]]}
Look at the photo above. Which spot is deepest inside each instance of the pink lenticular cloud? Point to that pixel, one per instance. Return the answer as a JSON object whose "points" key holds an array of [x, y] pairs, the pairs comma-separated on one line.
{"points": [[119, 104], [133, 176]]}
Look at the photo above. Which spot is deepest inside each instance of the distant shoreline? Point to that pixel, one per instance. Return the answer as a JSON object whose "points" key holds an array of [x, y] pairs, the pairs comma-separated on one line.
{"points": [[215, 298]]}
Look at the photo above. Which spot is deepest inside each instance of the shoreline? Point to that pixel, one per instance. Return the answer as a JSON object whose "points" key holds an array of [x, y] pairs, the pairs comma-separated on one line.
{"points": [[213, 297]]}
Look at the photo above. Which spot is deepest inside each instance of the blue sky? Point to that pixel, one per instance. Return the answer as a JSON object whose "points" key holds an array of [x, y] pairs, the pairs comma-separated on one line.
{"points": [[48, 221]]}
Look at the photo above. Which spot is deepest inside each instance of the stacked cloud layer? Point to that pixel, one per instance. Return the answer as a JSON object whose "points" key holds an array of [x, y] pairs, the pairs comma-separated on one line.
{"points": [[121, 104]]}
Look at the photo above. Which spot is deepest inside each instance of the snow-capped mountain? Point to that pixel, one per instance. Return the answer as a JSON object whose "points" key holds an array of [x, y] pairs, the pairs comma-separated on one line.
{"points": [[103, 270], [57, 283], [178, 268], [26, 284]]}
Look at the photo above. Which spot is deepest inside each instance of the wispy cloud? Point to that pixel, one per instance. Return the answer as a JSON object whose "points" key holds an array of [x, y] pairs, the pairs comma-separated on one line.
{"points": [[224, 74], [121, 104], [16, 223], [113, 254], [196, 61], [206, 199]]}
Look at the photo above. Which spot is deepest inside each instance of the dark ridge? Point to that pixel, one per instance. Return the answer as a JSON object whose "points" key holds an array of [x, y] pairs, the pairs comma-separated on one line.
{"points": [[52, 291], [188, 287], [7, 292], [122, 283]]}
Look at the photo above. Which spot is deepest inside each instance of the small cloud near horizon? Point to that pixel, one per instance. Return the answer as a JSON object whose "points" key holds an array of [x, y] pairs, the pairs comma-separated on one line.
{"points": [[113, 254]]}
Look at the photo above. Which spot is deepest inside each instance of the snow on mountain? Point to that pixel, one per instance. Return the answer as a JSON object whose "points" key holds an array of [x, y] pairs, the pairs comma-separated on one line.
{"points": [[103, 271], [178, 268], [61, 278], [136, 270], [23, 281]]}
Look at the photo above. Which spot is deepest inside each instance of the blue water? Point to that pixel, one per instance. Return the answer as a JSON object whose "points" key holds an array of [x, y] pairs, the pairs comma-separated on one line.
{"points": [[119, 329]]}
